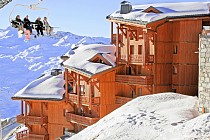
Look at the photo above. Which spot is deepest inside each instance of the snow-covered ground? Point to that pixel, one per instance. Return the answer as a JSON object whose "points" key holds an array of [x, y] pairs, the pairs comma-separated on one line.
{"points": [[23, 61], [164, 116]]}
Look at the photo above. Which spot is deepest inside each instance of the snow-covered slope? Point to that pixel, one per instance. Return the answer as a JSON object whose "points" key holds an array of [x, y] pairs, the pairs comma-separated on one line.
{"points": [[21, 62], [165, 116]]}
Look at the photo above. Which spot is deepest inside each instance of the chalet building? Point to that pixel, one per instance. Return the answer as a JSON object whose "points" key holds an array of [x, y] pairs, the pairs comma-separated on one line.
{"points": [[157, 47], [43, 109], [155, 50]]}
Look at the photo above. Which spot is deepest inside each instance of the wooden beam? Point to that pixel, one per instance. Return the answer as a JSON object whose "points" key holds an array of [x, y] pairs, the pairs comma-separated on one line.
{"points": [[123, 32], [26, 113], [90, 96], [85, 78], [95, 84], [126, 23], [112, 32], [134, 34], [21, 107], [117, 45], [78, 89], [128, 46], [66, 85]]}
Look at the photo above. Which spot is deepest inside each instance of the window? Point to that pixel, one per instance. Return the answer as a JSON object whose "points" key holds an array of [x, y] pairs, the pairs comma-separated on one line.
{"points": [[175, 70], [65, 111], [139, 49], [139, 90], [82, 89], [131, 49], [175, 49]]}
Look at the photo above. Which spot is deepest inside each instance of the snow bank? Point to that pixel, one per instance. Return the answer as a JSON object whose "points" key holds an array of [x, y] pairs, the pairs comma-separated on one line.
{"points": [[164, 116], [167, 9]]}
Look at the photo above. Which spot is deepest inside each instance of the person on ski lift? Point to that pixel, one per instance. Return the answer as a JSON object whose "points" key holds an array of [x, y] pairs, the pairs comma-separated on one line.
{"points": [[39, 26], [18, 23], [27, 24], [47, 26]]}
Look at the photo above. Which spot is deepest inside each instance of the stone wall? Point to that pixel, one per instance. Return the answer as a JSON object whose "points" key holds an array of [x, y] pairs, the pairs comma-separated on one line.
{"points": [[204, 74]]}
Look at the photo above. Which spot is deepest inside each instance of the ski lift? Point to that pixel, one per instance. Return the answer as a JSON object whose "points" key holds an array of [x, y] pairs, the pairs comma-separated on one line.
{"points": [[31, 7]]}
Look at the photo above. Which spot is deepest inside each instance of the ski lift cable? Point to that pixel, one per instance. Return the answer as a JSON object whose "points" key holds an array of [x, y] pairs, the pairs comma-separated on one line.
{"points": [[32, 7]]}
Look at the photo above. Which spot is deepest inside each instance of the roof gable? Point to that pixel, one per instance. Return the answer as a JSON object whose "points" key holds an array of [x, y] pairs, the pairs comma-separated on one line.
{"points": [[152, 9], [98, 58]]}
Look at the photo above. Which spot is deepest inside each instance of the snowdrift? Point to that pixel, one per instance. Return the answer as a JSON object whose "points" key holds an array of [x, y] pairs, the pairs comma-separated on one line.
{"points": [[164, 116]]}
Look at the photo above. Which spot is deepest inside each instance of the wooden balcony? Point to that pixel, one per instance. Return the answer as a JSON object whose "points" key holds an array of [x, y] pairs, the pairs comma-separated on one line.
{"points": [[135, 80], [140, 58], [24, 135], [122, 58], [137, 58], [84, 100], [20, 119], [34, 120], [114, 39], [122, 100], [83, 120]]}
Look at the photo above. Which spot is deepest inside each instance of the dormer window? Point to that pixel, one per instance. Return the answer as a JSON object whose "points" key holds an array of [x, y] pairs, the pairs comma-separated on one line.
{"points": [[152, 9]]}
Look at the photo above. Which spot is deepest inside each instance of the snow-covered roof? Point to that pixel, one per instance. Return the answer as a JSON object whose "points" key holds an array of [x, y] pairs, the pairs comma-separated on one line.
{"points": [[47, 87], [167, 10], [164, 116], [80, 59]]}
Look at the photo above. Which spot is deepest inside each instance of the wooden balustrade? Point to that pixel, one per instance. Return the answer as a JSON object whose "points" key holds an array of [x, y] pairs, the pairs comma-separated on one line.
{"points": [[132, 79], [32, 119], [83, 99], [24, 135], [21, 119], [122, 100], [137, 58], [123, 58], [150, 59], [83, 120], [73, 98], [96, 100]]}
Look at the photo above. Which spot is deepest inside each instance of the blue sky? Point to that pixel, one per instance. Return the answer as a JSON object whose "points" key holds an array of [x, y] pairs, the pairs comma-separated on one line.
{"points": [[81, 17]]}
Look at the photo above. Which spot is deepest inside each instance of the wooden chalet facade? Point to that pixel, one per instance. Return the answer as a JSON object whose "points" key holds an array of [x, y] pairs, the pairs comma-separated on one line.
{"points": [[155, 57], [160, 56]]}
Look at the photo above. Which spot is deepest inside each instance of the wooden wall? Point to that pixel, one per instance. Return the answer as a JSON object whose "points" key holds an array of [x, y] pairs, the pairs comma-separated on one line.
{"points": [[107, 90], [55, 111], [176, 60]]}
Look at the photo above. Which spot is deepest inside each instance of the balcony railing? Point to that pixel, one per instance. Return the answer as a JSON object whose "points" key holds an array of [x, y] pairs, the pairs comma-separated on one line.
{"points": [[122, 100], [137, 58], [123, 58], [131, 79], [83, 120], [24, 135], [32, 120], [83, 99], [20, 119]]}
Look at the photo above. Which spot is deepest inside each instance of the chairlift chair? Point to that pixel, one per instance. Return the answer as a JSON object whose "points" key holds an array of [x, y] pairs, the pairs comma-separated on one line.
{"points": [[31, 7]]}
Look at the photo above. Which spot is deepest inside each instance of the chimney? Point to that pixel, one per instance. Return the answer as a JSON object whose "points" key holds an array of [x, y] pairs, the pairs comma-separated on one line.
{"points": [[126, 7]]}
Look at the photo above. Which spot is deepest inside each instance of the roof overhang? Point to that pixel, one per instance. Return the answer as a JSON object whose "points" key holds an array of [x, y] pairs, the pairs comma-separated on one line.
{"points": [[127, 22], [88, 75], [168, 19], [33, 98]]}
